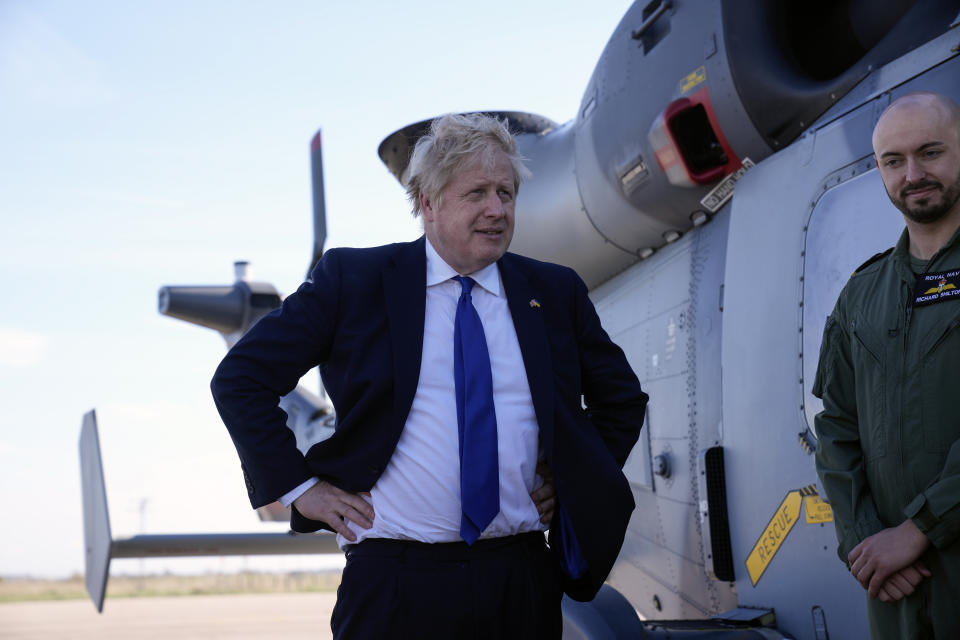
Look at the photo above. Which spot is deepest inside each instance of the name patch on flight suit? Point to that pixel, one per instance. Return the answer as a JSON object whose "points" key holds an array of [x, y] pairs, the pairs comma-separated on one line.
{"points": [[936, 287]]}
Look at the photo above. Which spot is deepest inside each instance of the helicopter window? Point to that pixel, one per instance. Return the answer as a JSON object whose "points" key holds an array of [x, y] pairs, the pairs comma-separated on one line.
{"points": [[849, 223]]}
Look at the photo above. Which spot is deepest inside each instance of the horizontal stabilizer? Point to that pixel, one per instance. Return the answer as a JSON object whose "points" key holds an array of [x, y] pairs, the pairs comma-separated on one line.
{"points": [[222, 544]]}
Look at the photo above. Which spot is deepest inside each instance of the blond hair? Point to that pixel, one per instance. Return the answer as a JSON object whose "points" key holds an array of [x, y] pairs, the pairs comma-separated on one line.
{"points": [[454, 141]]}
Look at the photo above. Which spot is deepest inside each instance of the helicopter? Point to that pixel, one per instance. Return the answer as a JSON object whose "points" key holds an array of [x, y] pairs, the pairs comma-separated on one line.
{"points": [[714, 190]]}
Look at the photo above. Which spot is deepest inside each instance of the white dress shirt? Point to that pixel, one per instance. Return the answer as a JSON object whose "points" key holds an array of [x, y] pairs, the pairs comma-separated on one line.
{"points": [[418, 495]]}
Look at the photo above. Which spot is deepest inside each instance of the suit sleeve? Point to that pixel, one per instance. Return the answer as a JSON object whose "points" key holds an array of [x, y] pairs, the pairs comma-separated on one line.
{"points": [[839, 457], [614, 401], [266, 364]]}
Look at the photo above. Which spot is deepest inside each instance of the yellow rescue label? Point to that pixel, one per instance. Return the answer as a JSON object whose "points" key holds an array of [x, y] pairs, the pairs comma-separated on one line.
{"points": [[693, 79], [817, 510], [782, 522], [773, 535]]}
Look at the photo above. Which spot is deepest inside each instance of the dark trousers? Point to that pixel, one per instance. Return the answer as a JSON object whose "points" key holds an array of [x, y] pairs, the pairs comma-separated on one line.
{"points": [[497, 588]]}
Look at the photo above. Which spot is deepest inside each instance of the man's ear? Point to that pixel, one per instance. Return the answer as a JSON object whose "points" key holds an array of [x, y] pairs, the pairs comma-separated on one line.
{"points": [[426, 207]]}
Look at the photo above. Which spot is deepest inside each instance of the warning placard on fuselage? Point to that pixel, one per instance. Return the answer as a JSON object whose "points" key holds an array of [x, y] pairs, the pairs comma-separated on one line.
{"points": [[719, 195], [817, 510]]}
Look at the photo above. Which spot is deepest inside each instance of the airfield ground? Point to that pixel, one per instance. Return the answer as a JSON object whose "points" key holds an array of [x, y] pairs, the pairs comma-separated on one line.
{"points": [[292, 616], [242, 606]]}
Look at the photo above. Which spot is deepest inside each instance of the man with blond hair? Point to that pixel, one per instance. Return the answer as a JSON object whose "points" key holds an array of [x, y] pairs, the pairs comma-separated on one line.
{"points": [[478, 402], [889, 435]]}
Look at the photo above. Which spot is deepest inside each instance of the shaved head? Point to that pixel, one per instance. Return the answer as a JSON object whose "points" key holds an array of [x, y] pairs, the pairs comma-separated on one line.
{"points": [[943, 106], [917, 147]]}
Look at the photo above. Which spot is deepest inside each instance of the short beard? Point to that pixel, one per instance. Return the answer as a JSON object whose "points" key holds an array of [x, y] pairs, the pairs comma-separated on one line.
{"points": [[924, 213]]}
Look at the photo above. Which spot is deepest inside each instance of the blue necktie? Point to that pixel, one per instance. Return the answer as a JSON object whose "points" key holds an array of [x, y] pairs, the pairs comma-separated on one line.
{"points": [[476, 420]]}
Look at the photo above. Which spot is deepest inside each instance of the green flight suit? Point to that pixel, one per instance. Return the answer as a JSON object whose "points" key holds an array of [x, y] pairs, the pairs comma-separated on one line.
{"points": [[889, 433]]}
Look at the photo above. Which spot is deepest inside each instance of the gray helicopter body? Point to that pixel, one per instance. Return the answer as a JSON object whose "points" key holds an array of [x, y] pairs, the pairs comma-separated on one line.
{"points": [[720, 306]]}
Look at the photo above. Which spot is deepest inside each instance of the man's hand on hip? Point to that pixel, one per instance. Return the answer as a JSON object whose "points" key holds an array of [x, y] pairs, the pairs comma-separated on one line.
{"points": [[880, 556], [544, 497], [327, 503]]}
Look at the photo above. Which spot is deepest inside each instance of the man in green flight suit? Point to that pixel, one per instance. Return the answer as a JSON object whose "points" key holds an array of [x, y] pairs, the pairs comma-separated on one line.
{"points": [[889, 376]]}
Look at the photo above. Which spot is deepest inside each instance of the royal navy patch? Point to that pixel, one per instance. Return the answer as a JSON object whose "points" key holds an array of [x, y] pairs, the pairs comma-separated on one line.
{"points": [[936, 287]]}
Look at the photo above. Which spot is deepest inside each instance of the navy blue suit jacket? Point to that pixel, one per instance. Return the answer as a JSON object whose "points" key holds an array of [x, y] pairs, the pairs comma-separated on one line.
{"points": [[361, 319]]}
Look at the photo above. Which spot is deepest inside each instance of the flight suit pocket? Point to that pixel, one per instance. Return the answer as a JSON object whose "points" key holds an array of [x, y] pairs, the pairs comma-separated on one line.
{"points": [[869, 363], [940, 424]]}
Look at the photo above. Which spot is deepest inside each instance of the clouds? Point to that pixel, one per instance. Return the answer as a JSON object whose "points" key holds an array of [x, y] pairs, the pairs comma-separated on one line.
{"points": [[22, 348]]}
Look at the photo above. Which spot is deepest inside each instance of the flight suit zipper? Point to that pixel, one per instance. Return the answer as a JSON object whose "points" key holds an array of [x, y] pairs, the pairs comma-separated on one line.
{"points": [[902, 384]]}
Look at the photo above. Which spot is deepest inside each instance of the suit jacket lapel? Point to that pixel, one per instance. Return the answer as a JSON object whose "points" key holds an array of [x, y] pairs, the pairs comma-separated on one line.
{"points": [[532, 335], [405, 293]]}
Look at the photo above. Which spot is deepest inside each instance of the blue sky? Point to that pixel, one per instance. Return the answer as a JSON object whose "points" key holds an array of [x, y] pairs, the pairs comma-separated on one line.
{"points": [[153, 143]]}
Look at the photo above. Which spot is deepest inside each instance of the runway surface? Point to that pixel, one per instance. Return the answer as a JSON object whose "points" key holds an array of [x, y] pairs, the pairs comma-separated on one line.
{"points": [[235, 617]]}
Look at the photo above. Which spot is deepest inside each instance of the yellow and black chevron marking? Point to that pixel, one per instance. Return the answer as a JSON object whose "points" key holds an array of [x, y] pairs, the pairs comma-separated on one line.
{"points": [[808, 441]]}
